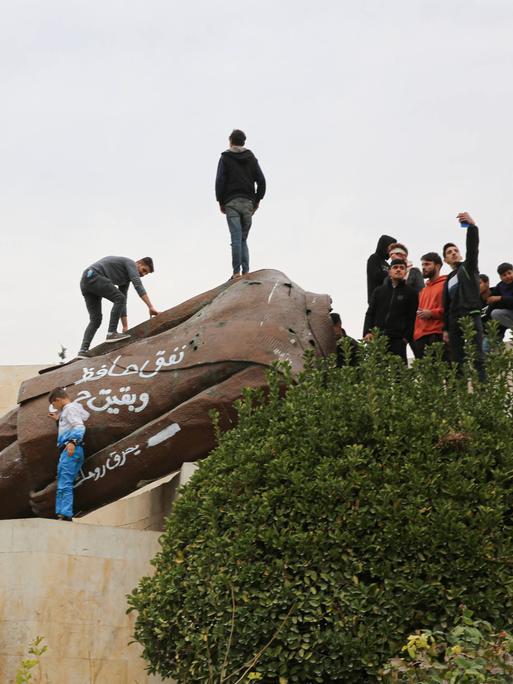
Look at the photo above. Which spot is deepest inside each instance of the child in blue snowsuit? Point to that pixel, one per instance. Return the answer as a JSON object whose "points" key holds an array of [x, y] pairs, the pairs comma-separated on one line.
{"points": [[70, 442]]}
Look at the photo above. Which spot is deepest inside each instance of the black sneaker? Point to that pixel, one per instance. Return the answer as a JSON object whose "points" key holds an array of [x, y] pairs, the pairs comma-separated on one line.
{"points": [[116, 337], [82, 354]]}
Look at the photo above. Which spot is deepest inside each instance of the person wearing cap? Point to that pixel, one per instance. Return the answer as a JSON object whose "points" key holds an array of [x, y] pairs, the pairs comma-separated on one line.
{"points": [[413, 275], [501, 297], [238, 172], [461, 296], [392, 309], [429, 322]]}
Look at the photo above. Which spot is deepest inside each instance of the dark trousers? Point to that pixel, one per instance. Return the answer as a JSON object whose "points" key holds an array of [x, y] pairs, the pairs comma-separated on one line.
{"points": [[420, 345], [457, 343], [93, 290], [397, 346]]}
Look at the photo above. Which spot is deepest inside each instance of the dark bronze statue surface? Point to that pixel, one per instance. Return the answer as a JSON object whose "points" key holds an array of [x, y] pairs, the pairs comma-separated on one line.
{"points": [[149, 397]]}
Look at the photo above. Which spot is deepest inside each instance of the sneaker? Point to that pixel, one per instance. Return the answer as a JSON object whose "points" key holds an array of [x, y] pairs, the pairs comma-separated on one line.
{"points": [[82, 354], [116, 337], [236, 276]]}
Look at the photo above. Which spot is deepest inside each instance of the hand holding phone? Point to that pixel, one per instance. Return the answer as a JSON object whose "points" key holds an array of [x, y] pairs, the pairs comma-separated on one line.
{"points": [[465, 219]]}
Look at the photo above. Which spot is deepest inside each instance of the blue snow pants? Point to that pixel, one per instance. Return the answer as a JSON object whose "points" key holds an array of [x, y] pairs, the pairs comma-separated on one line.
{"points": [[67, 471]]}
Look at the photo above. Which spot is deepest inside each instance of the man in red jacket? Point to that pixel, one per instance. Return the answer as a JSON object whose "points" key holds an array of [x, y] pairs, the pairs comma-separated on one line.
{"points": [[430, 314]]}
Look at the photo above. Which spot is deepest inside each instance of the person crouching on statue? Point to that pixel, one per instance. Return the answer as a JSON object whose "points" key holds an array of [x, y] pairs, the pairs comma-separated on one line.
{"points": [[70, 442]]}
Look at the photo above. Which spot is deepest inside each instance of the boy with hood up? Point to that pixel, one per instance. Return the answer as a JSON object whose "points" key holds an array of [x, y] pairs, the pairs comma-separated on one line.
{"points": [[237, 173], [377, 265]]}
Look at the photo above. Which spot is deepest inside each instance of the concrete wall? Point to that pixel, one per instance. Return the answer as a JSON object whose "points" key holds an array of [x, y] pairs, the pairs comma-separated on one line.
{"points": [[68, 582], [11, 378]]}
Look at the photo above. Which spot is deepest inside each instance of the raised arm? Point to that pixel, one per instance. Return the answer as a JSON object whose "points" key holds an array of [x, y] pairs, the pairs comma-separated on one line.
{"points": [[472, 251]]}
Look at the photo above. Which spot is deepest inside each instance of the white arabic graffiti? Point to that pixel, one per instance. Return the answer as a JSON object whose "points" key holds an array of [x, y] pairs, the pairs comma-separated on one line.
{"points": [[115, 460], [112, 401], [90, 374]]}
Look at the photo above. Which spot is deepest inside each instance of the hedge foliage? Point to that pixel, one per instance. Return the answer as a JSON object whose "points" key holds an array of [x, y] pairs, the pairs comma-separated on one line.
{"points": [[469, 653], [330, 524]]}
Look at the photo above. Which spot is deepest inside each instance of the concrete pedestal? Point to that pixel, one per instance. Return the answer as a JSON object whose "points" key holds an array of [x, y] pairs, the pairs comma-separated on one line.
{"points": [[68, 583]]}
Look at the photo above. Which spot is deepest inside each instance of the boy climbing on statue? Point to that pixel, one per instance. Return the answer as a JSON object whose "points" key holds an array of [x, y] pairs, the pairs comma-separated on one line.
{"points": [[110, 278], [70, 442]]}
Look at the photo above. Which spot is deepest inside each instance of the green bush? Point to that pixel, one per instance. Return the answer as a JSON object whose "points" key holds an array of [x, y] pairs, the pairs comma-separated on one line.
{"points": [[328, 525], [37, 649], [470, 653]]}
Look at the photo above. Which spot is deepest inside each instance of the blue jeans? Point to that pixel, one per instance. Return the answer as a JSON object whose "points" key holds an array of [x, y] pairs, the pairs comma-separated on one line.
{"points": [[239, 214], [67, 471]]}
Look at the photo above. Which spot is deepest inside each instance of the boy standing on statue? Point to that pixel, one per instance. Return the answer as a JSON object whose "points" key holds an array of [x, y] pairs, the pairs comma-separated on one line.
{"points": [[70, 442], [237, 173]]}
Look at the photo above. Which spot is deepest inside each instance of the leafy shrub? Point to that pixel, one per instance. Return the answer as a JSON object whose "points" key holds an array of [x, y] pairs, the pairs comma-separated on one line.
{"points": [[468, 654], [37, 649], [328, 525]]}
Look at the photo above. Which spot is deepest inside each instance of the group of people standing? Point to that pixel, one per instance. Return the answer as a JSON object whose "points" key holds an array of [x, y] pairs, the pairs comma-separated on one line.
{"points": [[408, 310], [408, 305]]}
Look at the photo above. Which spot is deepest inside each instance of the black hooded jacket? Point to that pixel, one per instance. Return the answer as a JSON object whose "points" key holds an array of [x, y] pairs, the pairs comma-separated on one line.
{"points": [[393, 310], [377, 266], [461, 290], [237, 173]]}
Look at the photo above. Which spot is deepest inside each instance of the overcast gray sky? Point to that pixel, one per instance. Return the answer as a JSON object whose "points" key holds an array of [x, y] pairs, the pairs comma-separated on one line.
{"points": [[367, 117]]}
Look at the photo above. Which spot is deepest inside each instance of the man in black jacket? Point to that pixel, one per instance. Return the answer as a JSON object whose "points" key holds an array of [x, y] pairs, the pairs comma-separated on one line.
{"points": [[501, 297], [237, 173], [392, 309], [377, 265], [462, 296], [341, 334]]}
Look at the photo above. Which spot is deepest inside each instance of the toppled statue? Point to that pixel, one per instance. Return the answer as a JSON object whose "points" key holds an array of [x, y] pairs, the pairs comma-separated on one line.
{"points": [[150, 396]]}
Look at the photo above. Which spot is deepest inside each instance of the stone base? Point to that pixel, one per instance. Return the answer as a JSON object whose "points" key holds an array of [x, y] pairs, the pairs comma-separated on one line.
{"points": [[146, 508], [68, 583]]}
